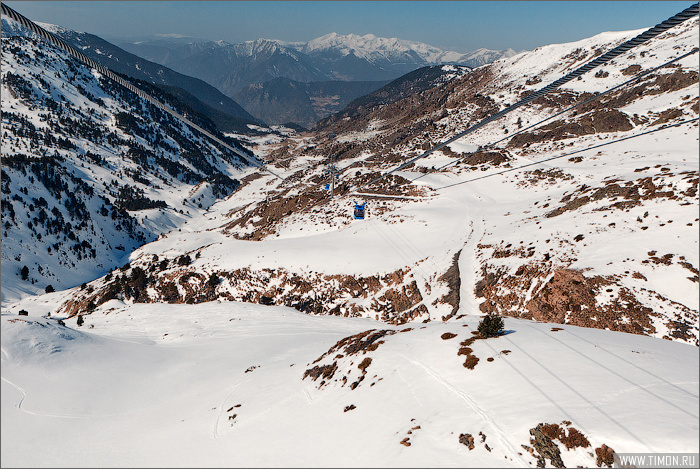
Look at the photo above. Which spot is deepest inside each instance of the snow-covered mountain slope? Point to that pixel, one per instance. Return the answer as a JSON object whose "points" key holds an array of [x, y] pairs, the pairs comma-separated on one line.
{"points": [[412, 83], [90, 171], [604, 238], [281, 100], [196, 351], [230, 384], [227, 114]]}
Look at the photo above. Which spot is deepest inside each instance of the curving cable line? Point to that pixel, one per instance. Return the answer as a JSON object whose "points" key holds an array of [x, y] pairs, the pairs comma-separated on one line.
{"points": [[593, 98], [570, 153], [611, 54]]}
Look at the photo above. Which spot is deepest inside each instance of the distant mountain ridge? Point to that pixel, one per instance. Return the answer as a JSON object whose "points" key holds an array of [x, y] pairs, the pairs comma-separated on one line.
{"points": [[371, 48], [330, 57], [260, 74]]}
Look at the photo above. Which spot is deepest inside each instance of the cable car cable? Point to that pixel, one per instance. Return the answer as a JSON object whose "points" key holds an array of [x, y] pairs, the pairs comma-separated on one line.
{"points": [[61, 44], [593, 98], [665, 127], [611, 54]]}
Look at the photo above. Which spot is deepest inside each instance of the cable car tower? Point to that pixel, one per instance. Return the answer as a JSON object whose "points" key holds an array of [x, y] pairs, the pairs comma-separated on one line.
{"points": [[332, 170]]}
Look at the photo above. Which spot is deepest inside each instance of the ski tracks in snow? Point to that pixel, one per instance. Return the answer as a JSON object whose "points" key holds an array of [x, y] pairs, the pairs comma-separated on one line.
{"points": [[24, 393], [308, 397], [468, 267], [215, 430], [500, 435]]}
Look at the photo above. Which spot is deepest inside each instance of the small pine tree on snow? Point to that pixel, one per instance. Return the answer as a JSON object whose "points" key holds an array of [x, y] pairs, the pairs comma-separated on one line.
{"points": [[213, 280], [266, 300], [490, 326], [81, 321], [24, 272], [50, 289]]}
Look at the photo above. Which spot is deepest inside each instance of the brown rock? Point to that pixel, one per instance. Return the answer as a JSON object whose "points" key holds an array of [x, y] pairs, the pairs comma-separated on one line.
{"points": [[605, 456], [467, 440], [546, 448]]}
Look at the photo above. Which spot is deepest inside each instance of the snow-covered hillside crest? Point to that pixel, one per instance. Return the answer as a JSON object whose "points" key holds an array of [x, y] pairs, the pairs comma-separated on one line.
{"points": [[202, 383], [482, 57], [90, 172]]}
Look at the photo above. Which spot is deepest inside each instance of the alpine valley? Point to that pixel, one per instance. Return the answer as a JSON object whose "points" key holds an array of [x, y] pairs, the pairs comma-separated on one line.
{"points": [[165, 303], [300, 82]]}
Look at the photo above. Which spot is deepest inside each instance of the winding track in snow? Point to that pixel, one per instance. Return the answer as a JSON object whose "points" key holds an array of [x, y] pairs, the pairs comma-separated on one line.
{"points": [[468, 267], [514, 456], [215, 431], [24, 393], [308, 397], [70, 416]]}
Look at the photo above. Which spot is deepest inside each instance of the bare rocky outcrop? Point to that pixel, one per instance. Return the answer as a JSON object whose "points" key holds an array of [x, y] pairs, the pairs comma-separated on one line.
{"points": [[601, 121], [545, 448], [393, 297], [343, 354], [454, 282], [605, 456], [467, 440], [488, 157], [568, 297], [632, 193], [544, 439], [262, 219], [321, 371]]}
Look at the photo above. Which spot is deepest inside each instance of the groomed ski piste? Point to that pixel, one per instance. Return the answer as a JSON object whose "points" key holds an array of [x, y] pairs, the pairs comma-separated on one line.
{"points": [[228, 383]]}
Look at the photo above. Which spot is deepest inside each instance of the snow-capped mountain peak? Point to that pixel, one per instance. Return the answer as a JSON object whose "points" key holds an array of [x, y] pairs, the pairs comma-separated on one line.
{"points": [[371, 48], [56, 29]]}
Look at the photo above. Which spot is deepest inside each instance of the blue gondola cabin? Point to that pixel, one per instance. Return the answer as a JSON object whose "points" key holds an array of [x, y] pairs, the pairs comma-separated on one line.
{"points": [[359, 212]]}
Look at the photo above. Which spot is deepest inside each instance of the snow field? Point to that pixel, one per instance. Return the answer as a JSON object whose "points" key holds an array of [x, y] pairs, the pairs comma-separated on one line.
{"points": [[159, 383]]}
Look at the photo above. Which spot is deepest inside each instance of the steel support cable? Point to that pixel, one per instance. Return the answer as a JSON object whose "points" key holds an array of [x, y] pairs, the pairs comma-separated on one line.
{"points": [[323, 199], [397, 249], [410, 246], [597, 96], [392, 244], [611, 54], [569, 154], [61, 44]]}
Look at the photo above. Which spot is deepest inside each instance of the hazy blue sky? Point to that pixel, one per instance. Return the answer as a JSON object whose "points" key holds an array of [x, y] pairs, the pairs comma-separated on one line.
{"points": [[461, 26]]}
